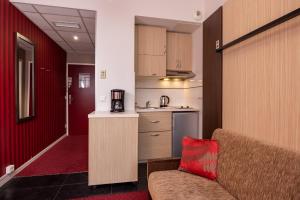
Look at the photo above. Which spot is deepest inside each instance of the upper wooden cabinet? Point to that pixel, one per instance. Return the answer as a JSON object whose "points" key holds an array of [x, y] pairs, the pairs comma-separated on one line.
{"points": [[179, 51], [150, 50], [151, 40]]}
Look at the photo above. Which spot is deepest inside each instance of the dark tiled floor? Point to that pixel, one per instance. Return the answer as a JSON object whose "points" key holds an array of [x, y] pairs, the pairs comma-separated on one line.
{"points": [[64, 186]]}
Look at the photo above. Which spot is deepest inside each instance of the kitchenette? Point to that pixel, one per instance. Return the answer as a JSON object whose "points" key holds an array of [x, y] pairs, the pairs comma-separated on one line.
{"points": [[168, 103], [168, 88]]}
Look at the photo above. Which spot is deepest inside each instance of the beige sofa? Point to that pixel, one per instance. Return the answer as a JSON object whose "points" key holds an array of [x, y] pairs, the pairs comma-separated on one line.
{"points": [[247, 169]]}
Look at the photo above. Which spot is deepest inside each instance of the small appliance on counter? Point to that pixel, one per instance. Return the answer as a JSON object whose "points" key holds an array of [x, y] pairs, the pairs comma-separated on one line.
{"points": [[117, 100], [164, 101]]}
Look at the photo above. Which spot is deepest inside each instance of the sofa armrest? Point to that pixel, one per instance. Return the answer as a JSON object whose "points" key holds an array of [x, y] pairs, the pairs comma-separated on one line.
{"points": [[162, 164]]}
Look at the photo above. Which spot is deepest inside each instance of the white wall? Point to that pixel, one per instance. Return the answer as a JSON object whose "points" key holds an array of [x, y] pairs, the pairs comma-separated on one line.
{"points": [[210, 6], [115, 37]]}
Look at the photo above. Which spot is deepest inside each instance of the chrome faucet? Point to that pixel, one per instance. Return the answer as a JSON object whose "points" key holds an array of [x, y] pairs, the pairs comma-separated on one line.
{"points": [[148, 104]]}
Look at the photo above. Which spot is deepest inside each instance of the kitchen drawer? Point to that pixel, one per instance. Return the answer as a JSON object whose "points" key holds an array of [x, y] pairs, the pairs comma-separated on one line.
{"points": [[155, 121], [155, 145]]}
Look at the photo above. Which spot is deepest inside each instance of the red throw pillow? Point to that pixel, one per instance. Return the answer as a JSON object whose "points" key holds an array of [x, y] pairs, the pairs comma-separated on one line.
{"points": [[199, 157]]}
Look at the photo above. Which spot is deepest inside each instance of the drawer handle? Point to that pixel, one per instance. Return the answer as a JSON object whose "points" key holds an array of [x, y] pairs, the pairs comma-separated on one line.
{"points": [[155, 134], [155, 122]]}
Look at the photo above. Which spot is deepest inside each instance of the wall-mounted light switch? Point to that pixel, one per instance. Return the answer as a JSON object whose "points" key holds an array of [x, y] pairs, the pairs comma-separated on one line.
{"points": [[102, 98], [103, 74]]}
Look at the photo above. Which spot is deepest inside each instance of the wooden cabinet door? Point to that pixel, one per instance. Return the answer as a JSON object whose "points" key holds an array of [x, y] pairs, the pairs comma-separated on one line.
{"points": [[179, 51], [154, 145], [151, 40], [155, 121], [172, 52], [185, 51], [151, 51], [148, 65]]}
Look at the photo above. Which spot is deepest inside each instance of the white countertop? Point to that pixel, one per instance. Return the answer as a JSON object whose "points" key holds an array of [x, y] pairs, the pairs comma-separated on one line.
{"points": [[167, 109], [105, 114]]}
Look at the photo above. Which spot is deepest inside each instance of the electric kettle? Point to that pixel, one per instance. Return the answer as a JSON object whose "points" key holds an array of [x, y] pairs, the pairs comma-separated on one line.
{"points": [[164, 101]]}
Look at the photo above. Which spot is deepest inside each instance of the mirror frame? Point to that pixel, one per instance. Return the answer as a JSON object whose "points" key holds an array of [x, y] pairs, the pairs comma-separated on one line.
{"points": [[18, 119]]}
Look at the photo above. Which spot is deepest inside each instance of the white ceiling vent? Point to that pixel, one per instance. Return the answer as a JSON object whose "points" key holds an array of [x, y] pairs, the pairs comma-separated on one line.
{"points": [[67, 24]]}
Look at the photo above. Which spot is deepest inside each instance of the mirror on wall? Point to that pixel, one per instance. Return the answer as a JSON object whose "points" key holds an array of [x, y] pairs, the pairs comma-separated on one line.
{"points": [[24, 78]]}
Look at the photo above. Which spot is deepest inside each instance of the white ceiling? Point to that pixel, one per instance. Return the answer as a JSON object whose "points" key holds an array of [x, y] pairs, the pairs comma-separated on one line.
{"points": [[45, 16]]}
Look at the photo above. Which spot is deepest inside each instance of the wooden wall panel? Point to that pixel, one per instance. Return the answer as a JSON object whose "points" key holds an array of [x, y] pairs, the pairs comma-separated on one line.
{"points": [[261, 85], [242, 16]]}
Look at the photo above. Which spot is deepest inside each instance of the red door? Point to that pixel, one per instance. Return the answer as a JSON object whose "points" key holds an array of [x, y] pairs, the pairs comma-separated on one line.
{"points": [[81, 99]]}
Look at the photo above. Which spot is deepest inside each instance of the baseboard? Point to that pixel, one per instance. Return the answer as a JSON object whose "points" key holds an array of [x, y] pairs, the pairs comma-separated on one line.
{"points": [[5, 178]]}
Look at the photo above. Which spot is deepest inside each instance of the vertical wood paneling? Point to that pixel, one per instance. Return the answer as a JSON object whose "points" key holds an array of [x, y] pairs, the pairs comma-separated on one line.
{"points": [[242, 16], [20, 142], [261, 84]]}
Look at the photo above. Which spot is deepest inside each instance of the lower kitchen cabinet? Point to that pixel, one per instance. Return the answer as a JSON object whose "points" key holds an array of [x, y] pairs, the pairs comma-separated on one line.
{"points": [[155, 121], [155, 135], [155, 145], [113, 146]]}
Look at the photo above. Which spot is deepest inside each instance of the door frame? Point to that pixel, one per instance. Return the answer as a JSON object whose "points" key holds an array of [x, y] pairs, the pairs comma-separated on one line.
{"points": [[67, 91]]}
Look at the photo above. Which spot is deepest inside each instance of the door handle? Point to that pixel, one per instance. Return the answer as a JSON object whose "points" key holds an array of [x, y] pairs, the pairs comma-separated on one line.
{"points": [[155, 134], [155, 122]]}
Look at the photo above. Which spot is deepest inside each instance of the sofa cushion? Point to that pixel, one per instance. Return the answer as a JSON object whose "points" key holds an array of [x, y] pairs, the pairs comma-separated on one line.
{"points": [[174, 184], [199, 157], [249, 169]]}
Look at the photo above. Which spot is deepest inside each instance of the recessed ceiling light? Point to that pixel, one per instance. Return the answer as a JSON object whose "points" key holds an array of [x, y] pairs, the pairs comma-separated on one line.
{"points": [[75, 37], [67, 24]]}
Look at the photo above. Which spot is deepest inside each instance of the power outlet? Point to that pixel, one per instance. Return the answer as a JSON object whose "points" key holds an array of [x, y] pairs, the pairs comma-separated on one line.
{"points": [[10, 169]]}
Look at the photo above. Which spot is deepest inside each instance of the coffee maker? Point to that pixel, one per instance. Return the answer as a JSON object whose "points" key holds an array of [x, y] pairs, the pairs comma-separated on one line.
{"points": [[117, 100]]}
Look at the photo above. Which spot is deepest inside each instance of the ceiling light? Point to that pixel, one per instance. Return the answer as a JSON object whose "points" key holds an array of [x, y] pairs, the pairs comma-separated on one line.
{"points": [[166, 79], [67, 24], [75, 37]]}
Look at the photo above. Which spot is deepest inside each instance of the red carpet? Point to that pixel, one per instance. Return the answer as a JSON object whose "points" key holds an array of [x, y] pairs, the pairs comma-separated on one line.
{"points": [[123, 196], [68, 156]]}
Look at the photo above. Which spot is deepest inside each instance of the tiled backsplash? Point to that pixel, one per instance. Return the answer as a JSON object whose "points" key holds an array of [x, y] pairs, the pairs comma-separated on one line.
{"points": [[180, 93]]}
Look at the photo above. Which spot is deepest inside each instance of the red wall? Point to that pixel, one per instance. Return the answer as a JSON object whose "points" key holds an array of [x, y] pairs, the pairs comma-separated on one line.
{"points": [[20, 142]]}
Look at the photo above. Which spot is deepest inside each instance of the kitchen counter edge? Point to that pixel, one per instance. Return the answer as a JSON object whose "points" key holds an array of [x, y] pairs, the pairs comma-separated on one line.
{"points": [[106, 114], [167, 110]]}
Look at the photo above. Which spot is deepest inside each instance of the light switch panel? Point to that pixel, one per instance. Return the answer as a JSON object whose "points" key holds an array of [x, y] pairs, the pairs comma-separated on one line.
{"points": [[103, 74], [102, 98]]}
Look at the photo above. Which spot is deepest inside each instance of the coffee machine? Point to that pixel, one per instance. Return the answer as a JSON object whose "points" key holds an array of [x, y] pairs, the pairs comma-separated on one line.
{"points": [[117, 100]]}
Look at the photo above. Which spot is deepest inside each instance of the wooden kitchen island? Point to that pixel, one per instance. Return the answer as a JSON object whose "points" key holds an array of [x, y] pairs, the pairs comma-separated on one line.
{"points": [[113, 147]]}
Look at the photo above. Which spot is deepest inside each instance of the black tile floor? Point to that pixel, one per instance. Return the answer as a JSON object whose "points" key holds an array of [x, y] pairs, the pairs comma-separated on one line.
{"points": [[65, 186]]}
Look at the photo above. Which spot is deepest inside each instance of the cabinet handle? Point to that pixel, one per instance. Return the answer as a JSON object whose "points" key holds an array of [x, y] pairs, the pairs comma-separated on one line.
{"points": [[155, 134], [153, 74], [155, 122]]}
